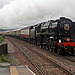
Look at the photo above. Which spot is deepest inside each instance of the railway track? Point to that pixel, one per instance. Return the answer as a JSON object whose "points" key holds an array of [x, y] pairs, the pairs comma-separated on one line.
{"points": [[69, 58], [41, 72], [64, 57], [49, 60]]}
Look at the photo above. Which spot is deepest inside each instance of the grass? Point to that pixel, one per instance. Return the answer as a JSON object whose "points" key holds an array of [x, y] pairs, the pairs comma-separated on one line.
{"points": [[1, 39], [3, 59], [12, 60]]}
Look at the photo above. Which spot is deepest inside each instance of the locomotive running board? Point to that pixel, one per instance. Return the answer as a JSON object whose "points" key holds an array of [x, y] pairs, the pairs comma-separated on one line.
{"points": [[67, 43]]}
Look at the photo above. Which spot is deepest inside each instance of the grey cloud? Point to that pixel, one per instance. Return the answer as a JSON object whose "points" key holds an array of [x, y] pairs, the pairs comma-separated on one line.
{"points": [[4, 2], [21, 13]]}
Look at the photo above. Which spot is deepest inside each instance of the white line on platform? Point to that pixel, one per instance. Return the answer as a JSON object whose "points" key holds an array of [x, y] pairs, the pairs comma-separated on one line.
{"points": [[30, 70]]}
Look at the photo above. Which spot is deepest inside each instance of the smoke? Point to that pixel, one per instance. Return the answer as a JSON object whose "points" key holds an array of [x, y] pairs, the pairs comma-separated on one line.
{"points": [[21, 13]]}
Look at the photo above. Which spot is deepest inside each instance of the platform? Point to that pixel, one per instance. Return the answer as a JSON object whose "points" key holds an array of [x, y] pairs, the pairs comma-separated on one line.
{"points": [[4, 71], [15, 70]]}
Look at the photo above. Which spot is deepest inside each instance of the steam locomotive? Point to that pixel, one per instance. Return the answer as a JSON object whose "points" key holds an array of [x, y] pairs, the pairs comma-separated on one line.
{"points": [[55, 35]]}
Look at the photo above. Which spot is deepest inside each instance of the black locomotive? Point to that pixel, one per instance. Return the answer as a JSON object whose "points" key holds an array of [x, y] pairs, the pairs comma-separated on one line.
{"points": [[55, 35]]}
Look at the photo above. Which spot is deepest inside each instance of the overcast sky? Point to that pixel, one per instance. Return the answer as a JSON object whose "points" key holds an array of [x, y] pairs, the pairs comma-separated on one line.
{"points": [[21, 13]]}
